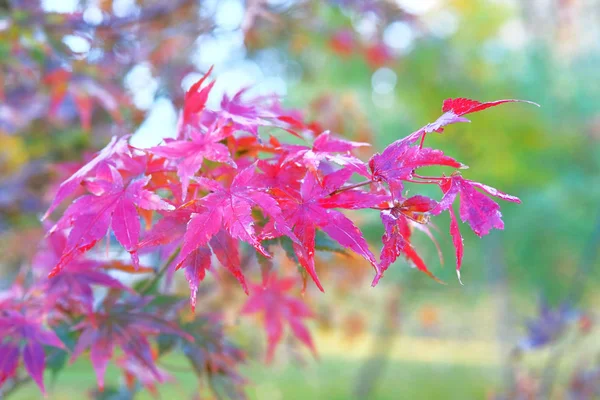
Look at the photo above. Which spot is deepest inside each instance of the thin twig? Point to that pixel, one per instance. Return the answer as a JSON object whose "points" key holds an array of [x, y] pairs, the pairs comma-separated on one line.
{"points": [[350, 187], [159, 273], [428, 177]]}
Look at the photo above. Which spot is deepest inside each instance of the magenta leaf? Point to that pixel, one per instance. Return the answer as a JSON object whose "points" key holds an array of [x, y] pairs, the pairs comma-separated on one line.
{"points": [[189, 154], [112, 203], [396, 242], [127, 324], [479, 211], [226, 249], [24, 335], [327, 147], [278, 307], [115, 146], [196, 264], [230, 209], [9, 361], [399, 160], [309, 208], [34, 360], [457, 240]]}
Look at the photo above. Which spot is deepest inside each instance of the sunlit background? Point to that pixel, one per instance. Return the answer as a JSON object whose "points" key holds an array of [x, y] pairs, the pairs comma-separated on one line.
{"points": [[375, 71]]}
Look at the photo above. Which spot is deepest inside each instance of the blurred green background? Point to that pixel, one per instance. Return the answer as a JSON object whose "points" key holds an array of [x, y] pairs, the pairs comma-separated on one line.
{"points": [[429, 340]]}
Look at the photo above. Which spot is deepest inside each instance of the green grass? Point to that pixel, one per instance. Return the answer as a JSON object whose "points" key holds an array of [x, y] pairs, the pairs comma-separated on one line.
{"points": [[329, 378]]}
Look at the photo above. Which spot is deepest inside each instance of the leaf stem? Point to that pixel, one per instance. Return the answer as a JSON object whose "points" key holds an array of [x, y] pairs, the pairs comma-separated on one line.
{"points": [[422, 140], [428, 177], [422, 182], [160, 272], [350, 187]]}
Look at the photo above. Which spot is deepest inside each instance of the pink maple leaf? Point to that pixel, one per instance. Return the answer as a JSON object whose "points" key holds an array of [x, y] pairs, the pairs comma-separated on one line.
{"points": [[26, 336], [327, 147], [116, 146], [72, 288], [229, 210], [399, 160], [111, 204], [189, 154], [271, 299]]}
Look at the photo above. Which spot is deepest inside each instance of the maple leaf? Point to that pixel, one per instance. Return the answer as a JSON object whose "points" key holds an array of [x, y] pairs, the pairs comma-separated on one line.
{"points": [[172, 228], [224, 216], [399, 160], [115, 146], [463, 106], [277, 174], [9, 354], [324, 147], [111, 204], [84, 92], [396, 238], [72, 288], [127, 324], [271, 299], [249, 115], [195, 98], [454, 109], [135, 370], [24, 335], [195, 265], [479, 211], [189, 154], [312, 207]]}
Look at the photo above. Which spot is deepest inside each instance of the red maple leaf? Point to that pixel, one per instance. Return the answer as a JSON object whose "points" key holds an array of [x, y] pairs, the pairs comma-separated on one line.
{"points": [[396, 239], [454, 109], [195, 99], [462, 106], [313, 207], [479, 211]]}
